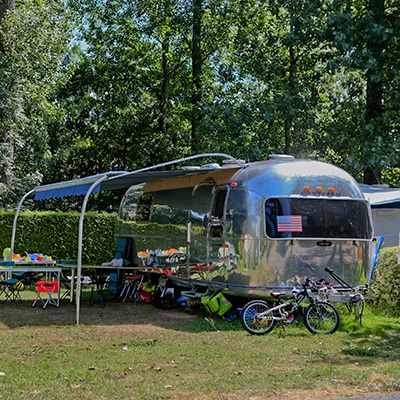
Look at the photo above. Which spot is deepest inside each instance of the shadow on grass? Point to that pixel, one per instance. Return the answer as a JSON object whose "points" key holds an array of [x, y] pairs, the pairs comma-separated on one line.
{"points": [[378, 338], [383, 343], [16, 314]]}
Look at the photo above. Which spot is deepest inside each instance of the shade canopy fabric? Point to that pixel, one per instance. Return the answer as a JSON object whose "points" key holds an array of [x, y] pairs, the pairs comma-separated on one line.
{"points": [[76, 187], [379, 197], [109, 181]]}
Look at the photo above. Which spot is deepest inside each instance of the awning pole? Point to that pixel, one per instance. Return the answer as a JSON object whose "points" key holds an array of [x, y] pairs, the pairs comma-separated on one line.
{"points": [[80, 236]]}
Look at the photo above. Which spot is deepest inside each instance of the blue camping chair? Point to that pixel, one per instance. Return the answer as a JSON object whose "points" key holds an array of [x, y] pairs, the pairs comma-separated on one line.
{"points": [[11, 288], [113, 281]]}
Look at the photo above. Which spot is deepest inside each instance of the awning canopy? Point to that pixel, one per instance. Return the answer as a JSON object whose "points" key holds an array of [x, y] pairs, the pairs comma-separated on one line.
{"points": [[381, 197], [109, 181], [115, 180], [76, 187]]}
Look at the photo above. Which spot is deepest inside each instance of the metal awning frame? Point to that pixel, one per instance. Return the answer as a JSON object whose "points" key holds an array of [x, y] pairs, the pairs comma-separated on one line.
{"points": [[111, 181]]}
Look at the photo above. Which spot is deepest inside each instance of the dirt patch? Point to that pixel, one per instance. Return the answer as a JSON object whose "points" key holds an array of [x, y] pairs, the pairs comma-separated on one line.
{"points": [[133, 314], [325, 393], [113, 314]]}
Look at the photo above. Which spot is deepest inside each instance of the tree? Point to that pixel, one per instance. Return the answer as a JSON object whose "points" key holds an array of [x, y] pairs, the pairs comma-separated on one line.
{"points": [[269, 81], [151, 62], [7, 148], [119, 101], [160, 23], [143, 82], [364, 33], [34, 40]]}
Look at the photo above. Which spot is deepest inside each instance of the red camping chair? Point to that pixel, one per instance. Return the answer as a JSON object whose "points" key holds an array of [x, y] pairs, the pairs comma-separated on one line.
{"points": [[47, 293]]}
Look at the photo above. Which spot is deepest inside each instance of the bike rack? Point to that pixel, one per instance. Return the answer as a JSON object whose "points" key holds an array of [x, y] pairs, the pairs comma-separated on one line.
{"points": [[354, 299]]}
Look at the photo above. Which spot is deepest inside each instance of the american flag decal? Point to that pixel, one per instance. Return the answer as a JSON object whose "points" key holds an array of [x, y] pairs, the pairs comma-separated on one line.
{"points": [[289, 223]]}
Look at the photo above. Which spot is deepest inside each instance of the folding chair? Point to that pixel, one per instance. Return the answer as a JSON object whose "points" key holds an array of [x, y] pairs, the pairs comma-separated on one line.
{"points": [[12, 289], [46, 292], [68, 287], [131, 288], [99, 279], [66, 283]]}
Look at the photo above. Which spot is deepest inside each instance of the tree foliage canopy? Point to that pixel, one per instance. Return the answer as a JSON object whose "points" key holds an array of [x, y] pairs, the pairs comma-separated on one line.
{"points": [[89, 86]]}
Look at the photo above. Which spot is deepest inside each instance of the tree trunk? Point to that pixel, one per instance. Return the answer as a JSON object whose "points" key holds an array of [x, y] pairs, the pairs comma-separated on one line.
{"points": [[374, 108], [293, 58], [197, 63], [373, 112], [5, 5], [162, 121], [291, 86], [6, 177]]}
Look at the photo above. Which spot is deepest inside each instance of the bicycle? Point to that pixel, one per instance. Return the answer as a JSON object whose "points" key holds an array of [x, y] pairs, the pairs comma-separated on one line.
{"points": [[320, 317]]}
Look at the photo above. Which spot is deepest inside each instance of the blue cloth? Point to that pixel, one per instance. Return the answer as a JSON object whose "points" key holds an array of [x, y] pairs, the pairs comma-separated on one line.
{"points": [[379, 242]]}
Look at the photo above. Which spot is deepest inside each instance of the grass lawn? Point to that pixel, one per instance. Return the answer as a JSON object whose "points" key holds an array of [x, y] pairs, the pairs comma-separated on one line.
{"points": [[135, 351]]}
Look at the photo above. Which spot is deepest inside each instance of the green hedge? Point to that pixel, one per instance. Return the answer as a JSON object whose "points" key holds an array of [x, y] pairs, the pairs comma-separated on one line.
{"points": [[385, 289], [56, 234]]}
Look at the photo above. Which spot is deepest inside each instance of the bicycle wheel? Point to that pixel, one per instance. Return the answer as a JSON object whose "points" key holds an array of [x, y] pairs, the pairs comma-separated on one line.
{"points": [[321, 318], [253, 322]]}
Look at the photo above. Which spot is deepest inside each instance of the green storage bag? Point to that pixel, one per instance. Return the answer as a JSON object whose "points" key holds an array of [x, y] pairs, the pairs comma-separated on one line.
{"points": [[216, 304]]}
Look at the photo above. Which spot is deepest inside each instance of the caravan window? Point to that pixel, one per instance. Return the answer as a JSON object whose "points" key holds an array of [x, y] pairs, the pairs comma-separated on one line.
{"points": [[219, 203], [317, 218], [160, 219], [165, 206], [144, 205]]}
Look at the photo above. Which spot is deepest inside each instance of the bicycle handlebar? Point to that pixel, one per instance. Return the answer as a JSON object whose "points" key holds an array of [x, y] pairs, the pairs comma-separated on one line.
{"points": [[311, 284]]}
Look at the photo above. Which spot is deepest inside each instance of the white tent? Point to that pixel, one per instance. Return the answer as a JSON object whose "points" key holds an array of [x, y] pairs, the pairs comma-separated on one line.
{"points": [[385, 207]]}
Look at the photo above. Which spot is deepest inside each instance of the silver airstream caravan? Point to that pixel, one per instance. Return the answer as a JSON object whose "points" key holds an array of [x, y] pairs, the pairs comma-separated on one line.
{"points": [[250, 227]]}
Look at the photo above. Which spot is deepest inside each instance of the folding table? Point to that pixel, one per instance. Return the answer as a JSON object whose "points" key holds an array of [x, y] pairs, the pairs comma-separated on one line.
{"points": [[50, 271]]}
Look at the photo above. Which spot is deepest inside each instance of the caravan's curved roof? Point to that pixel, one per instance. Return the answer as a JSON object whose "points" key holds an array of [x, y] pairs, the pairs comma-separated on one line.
{"points": [[290, 176]]}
